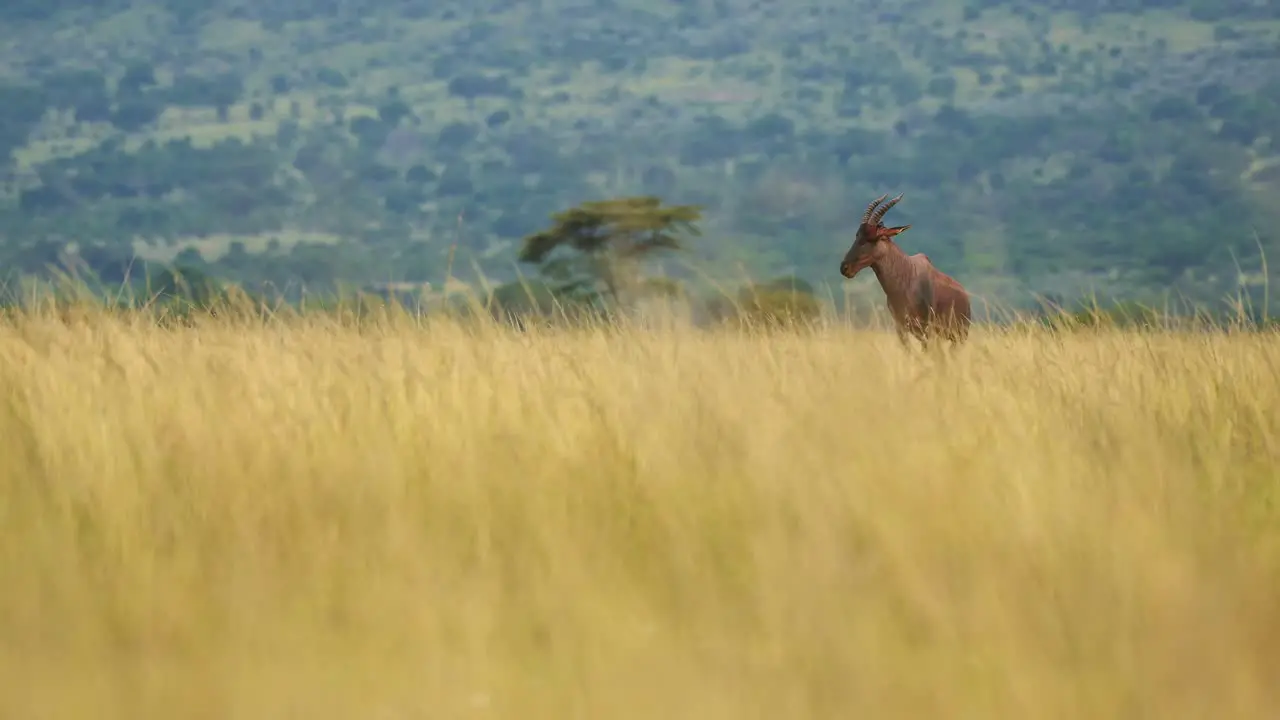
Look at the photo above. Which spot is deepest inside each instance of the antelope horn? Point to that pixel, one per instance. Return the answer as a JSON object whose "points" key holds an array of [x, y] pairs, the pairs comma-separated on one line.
{"points": [[867, 215], [875, 218]]}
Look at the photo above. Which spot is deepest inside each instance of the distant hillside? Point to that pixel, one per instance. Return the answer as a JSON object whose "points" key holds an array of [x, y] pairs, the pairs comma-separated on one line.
{"points": [[1125, 145]]}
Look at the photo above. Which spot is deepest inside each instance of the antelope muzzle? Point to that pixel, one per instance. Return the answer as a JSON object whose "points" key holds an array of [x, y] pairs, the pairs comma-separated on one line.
{"points": [[848, 268]]}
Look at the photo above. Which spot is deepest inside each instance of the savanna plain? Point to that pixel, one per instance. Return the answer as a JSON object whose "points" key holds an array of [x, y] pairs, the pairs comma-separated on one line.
{"points": [[313, 517]]}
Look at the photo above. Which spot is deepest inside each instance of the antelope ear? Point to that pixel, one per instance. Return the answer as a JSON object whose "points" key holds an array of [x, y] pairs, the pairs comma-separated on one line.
{"points": [[891, 231]]}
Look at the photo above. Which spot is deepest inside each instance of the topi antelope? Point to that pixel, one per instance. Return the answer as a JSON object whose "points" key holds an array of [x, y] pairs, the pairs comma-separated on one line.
{"points": [[924, 301]]}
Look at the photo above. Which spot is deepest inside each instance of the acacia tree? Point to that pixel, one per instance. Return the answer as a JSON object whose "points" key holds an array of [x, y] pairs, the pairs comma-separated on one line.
{"points": [[597, 250]]}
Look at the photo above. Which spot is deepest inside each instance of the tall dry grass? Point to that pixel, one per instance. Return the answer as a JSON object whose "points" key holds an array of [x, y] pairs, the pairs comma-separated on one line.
{"points": [[306, 518]]}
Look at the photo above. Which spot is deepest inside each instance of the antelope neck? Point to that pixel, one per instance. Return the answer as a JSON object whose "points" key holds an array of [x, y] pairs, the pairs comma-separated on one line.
{"points": [[894, 271]]}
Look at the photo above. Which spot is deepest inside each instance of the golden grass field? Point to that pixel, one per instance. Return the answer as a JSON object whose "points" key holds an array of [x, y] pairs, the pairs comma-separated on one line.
{"points": [[309, 519]]}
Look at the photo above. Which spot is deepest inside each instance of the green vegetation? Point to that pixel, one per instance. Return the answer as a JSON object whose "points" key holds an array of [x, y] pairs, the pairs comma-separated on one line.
{"points": [[784, 301], [1124, 147]]}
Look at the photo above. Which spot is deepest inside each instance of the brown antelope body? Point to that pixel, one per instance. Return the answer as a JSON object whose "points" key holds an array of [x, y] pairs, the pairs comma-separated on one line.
{"points": [[924, 301]]}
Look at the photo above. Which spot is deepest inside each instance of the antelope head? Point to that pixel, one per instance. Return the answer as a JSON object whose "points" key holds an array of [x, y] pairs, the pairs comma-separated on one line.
{"points": [[872, 239]]}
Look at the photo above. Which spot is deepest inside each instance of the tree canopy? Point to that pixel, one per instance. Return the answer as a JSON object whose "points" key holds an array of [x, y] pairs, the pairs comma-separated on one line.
{"points": [[607, 240]]}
